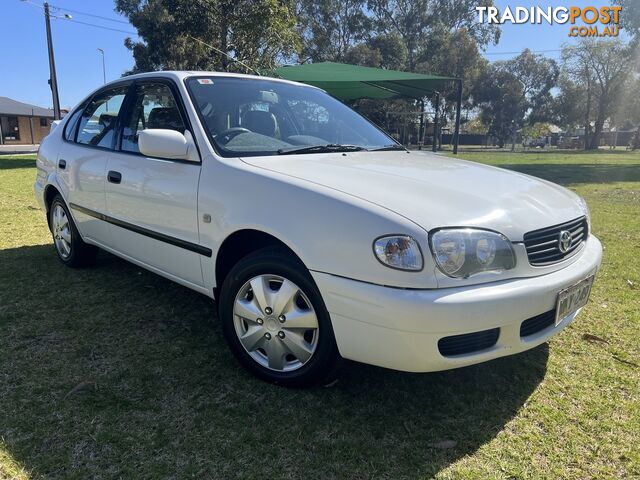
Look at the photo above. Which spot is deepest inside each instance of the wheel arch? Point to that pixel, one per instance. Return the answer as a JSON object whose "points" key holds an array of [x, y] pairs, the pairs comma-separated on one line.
{"points": [[50, 192], [241, 243]]}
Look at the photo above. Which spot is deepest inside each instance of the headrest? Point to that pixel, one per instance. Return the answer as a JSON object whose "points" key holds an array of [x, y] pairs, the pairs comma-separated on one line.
{"points": [[108, 119], [165, 117], [259, 121]]}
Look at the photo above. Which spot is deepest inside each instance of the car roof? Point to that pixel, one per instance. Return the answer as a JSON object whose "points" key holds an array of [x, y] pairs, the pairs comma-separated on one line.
{"points": [[182, 74]]}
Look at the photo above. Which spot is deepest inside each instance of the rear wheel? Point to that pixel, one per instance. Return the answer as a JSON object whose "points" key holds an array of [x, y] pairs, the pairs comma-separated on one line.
{"points": [[275, 321], [71, 249]]}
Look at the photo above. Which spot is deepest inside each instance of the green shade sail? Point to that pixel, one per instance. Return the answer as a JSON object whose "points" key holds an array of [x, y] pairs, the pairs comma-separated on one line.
{"points": [[351, 82]]}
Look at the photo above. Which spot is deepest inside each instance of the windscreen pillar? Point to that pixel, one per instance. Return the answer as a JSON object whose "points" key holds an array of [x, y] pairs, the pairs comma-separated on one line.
{"points": [[456, 135]]}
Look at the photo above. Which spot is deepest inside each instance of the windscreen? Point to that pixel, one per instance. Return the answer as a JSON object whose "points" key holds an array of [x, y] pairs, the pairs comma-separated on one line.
{"points": [[245, 116]]}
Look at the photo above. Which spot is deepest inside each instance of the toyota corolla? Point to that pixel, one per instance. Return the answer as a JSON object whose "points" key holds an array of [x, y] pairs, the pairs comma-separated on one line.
{"points": [[318, 235]]}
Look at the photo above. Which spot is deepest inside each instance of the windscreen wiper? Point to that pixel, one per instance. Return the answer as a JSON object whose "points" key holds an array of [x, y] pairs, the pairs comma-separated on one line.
{"points": [[392, 146], [330, 147]]}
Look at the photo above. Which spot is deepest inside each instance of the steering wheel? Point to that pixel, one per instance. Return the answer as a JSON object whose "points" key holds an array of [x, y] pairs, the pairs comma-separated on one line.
{"points": [[225, 136]]}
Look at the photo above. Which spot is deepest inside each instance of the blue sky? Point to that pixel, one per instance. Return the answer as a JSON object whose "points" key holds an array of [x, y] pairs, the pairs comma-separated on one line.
{"points": [[24, 69]]}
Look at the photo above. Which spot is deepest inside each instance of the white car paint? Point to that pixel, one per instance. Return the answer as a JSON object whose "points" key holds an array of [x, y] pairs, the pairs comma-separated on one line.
{"points": [[328, 209]]}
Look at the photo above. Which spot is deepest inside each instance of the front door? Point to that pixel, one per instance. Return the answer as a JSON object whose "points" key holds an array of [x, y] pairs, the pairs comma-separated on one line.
{"points": [[152, 202]]}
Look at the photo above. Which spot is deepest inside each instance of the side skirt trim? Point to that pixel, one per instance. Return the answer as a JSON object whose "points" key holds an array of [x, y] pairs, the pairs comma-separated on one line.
{"points": [[193, 247]]}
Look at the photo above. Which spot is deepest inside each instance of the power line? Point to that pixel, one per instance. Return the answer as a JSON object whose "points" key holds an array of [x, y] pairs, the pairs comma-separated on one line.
{"points": [[89, 14], [96, 26], [68, 19]]}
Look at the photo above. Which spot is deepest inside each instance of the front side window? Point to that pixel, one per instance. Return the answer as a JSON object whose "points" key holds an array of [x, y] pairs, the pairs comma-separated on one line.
{"points": [[246, 116], [98, 122], [154, 106]]}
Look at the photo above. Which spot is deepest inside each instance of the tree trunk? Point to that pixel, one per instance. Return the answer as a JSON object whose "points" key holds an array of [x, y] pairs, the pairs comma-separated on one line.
{"points": [[587, 115], [599, 124], [595, 138]]}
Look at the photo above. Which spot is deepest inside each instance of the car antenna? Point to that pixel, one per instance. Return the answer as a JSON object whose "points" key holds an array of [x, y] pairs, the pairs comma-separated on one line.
{"points": [[226, 55]]}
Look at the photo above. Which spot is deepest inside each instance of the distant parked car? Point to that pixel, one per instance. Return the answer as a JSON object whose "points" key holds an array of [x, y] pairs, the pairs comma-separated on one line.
{"points": [[537, 142], [317, 234], [572, 143]]}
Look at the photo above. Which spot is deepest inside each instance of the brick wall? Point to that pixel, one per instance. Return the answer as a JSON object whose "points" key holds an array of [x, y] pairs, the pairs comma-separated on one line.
{"points": [[39, 132]]}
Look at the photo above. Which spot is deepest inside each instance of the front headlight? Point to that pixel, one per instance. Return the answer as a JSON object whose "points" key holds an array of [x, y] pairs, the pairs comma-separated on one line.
{"points": [[462, 252], [398, 251], [585, 209]]}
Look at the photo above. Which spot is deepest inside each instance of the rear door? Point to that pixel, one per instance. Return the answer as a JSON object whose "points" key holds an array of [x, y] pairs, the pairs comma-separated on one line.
{"points": [[152, 202], [89, 138]]}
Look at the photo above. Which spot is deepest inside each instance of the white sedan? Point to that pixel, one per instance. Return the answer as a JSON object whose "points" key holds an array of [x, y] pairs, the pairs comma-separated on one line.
{"points": [[318, 235]]}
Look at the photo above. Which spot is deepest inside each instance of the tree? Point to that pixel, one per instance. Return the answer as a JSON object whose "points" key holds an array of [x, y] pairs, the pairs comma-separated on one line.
{"points": [[330, 28], [600, 68], [630, 16], [422, 24], [257, 33], [570, 105], [514, 93]]}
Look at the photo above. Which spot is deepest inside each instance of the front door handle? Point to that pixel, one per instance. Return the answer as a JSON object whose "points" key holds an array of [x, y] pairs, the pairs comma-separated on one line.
{"points": [[114, 177], [62, 164]]}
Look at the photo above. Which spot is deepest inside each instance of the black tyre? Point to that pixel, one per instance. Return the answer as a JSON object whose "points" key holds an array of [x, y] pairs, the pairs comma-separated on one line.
{"points": [[275, 320], [71, 250]]}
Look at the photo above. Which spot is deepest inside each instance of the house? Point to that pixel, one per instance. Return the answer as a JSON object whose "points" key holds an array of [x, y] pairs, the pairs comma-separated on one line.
{"points": [[23, 124]]}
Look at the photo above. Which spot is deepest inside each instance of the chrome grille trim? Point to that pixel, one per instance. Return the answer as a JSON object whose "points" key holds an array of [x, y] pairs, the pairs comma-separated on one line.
{"points": [[543, 245]]}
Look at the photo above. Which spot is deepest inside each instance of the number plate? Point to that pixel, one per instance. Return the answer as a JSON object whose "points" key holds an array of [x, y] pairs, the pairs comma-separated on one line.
{"points": [[572, 298]]}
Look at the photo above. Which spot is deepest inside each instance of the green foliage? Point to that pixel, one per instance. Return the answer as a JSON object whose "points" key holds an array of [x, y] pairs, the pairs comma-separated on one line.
{"points": [[258, 33], [514, 93], [595, 72], [329, 28], [536, 130], [630, 16], [424, 24]]}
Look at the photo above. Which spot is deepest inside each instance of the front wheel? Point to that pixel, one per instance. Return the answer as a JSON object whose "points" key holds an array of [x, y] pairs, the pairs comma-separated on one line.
{"points": [[275, 321]]}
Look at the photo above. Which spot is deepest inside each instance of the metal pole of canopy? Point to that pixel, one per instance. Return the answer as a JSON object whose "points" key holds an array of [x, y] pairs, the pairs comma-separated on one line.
{"points": [[421, 133], [436, 123], [456, 135]]}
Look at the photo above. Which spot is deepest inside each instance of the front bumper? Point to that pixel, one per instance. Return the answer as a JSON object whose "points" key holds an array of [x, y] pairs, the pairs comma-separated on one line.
{"points": [[400, 329]]}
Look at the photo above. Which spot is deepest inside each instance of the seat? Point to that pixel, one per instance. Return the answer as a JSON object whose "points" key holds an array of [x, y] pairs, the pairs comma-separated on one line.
{"points": [[107, 122], [259, 121], [166, 118]]}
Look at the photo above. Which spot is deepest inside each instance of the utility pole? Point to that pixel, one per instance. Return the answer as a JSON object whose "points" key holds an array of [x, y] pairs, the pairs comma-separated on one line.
{"points": [[53, 80]]}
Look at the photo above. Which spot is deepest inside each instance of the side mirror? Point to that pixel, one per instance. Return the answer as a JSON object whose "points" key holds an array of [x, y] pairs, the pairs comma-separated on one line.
{"points": [[170, 144]]}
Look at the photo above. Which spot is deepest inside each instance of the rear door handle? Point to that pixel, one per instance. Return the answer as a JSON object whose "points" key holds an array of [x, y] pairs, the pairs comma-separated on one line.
{"points": [[62, 164], [114, 177]]}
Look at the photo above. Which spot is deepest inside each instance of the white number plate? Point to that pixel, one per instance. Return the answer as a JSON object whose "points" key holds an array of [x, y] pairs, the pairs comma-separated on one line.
{"points": [[572, 298]]}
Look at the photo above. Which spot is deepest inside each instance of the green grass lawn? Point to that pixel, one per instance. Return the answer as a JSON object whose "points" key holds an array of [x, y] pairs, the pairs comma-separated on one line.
{"points": [[114, 372]]}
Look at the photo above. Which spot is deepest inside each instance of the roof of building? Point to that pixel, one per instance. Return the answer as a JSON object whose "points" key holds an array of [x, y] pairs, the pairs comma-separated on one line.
{"points": [[9, 106]]}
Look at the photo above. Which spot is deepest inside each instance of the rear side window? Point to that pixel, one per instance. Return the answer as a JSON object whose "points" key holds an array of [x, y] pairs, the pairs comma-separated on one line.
{"points": [[98, 122], [153, 106], [70, 126]]}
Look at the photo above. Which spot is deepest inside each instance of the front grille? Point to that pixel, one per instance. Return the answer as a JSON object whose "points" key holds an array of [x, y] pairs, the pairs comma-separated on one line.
{"points": [[538, 323], [543, 246], [468, 342]]}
